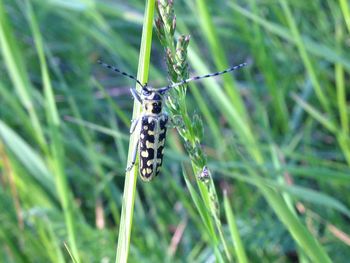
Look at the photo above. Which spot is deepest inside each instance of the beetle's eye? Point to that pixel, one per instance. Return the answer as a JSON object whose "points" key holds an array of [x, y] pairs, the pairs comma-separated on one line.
{"points": [[146, 92]]}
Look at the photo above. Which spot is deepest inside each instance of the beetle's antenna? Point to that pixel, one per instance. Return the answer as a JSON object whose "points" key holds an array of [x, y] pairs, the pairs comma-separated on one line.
{"points": [[202, 77], [121, 72]]}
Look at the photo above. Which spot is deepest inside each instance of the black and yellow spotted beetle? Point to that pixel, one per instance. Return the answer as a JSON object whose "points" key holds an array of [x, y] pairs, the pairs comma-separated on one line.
{"points": [[152, 124]]}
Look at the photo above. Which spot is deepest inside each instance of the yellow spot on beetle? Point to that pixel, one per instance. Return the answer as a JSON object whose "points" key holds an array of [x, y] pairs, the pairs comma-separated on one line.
{"points": [[149, 170], [149, 162], [149, 144], [144, 154]]}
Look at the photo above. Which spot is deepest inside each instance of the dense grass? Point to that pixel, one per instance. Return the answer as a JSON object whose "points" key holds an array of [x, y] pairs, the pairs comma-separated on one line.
{"points": [[275, 136]]}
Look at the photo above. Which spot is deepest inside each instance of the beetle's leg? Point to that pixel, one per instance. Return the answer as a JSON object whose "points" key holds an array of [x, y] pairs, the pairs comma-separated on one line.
{"points": [[134, 154], [135, 94], [133, 125], [174, 122]]}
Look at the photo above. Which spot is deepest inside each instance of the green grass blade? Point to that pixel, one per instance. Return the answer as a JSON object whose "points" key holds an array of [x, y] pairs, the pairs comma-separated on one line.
{"points": [[29, 158], [98, 128], [328, 124], [319, 49], [344, 6], [219, 56], [301, 235], [305, 56], [56, 160], [205, 215], [131, 176], [20, 79], [240, 252]]}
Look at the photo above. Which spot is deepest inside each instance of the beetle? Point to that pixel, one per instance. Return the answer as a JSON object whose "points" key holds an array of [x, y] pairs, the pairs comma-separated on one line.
{"points": [[152, 124]]}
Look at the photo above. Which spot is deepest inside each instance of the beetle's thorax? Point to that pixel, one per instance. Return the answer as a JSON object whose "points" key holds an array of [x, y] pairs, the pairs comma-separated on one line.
{"points": [[152, 103], [152, 107]]}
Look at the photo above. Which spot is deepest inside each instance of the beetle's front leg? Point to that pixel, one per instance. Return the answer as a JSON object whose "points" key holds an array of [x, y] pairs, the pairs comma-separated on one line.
{"points": [[134, 154], [135, 94], [133, 125]]}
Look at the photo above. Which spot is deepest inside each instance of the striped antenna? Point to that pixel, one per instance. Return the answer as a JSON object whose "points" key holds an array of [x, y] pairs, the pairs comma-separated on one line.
{"points": [[202, 77], [121, 72]]}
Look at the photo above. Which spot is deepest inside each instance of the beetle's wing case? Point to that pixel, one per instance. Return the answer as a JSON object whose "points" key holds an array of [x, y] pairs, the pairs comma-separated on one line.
{"points": [[151, 145], [163, 120]]}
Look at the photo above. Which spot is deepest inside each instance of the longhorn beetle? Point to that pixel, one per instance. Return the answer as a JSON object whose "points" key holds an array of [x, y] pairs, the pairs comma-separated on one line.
{"points": [[152, 124]]}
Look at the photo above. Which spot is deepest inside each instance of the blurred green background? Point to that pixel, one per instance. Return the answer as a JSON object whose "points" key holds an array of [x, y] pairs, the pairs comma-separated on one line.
{"points": [[64, 129]]}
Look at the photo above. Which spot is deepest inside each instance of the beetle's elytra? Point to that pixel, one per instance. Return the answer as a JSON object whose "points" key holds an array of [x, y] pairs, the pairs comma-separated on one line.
{"points": [[152, 124], [152, 139]]}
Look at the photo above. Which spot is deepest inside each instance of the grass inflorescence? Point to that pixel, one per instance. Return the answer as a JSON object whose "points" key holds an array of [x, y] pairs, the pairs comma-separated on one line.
{"points": [[190, 129]]}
